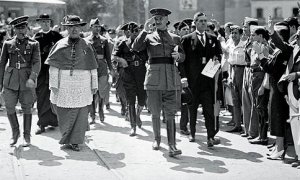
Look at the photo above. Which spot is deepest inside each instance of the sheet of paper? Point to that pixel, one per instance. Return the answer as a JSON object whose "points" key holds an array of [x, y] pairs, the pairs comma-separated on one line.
{"points": [[211, 68]]}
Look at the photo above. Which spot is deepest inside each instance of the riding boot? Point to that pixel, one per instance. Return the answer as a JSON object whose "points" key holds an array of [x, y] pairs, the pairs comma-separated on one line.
{"points": [[132, 119], [173, 151], [138, 114], [27, 118], [13, 120], [156, 131], [101, 113]]}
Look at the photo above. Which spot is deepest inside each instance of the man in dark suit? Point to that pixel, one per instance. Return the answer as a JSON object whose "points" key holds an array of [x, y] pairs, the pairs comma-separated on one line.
{"points": [[200, 47]]}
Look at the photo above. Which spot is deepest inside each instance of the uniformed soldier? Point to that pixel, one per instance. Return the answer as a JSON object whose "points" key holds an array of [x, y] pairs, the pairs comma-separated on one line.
{"points": [[102, 49], [134, 74], [162, 81], [22, 55]]}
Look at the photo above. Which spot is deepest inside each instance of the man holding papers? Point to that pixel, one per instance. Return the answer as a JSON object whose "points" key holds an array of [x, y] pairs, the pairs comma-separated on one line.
{"points": [[200, 47]]}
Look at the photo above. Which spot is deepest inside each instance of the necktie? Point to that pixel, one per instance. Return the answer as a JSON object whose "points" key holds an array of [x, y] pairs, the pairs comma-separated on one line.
{"points": [[201, 38]]}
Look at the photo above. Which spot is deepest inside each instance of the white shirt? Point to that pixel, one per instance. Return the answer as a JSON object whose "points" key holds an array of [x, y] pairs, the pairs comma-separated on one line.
{"points": [[237, 53], [199, 37]]}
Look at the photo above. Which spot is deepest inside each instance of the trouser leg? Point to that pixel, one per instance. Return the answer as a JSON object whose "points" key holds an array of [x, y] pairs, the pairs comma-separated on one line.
{"points": [[132, 115], [184, 119], [101, 113]]}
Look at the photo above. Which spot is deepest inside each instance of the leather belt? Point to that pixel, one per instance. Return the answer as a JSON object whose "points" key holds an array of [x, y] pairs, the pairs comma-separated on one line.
{"points": [[161, 60], [19, 65], [238, 66], [256, 69], [134, 63]]}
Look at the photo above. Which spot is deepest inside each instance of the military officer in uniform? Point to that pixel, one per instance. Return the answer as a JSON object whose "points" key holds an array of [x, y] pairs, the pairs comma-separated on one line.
{"points": [[46, 38], [21, 55], [162, 81], [134, 74], [102, 49]]}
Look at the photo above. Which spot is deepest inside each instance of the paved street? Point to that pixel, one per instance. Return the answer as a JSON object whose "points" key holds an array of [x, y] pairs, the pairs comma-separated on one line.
{"points": [[109, 153]]}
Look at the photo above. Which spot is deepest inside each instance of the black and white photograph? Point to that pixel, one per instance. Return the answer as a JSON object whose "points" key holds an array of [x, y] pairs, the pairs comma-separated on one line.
{"points": [[149, 89]]}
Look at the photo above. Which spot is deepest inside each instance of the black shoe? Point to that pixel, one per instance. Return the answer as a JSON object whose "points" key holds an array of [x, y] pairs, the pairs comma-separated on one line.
{"points": [[132, 132], [75, 147], [173, 151], [40, 130], [155, 145], [192, 139], [108, 106], [250, 137], [235, 129], [210, 143], [244, 135], [255, 141], [216, 141], [185, 132]]}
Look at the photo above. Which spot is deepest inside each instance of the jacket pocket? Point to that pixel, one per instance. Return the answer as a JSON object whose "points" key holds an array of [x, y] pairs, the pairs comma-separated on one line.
{"points": [[152, 76], [7, 76]]}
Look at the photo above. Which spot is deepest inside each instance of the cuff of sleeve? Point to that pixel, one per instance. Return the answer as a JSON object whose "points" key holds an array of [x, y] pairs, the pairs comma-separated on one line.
{"points": [[183, 79], [33, 76]]}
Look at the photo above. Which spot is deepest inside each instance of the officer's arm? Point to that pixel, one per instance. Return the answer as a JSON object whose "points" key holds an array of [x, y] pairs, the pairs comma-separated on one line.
{"points": [[181, 66], [36, 62], [180, 51], [139, 43], [3, 61], [107, 55]]}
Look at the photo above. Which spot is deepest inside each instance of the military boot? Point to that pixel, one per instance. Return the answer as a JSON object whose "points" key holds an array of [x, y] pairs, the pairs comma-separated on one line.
{"points": [[132, 119], [173, 151], [156, 131], [138, 114], [27, 118], [13, 120]]}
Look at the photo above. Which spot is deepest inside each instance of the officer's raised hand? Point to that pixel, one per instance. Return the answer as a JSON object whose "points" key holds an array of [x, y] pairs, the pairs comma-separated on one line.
{"points": [[30, 83], [148, 23]]}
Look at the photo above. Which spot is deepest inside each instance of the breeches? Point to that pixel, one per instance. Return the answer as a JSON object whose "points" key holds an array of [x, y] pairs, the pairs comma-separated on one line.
{"points": [[11, 98]]}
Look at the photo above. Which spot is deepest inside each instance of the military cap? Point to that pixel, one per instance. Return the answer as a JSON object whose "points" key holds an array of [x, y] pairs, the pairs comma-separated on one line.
{"points": [[95, 21], [188, 21], [160, 11], [283, 25], [43, 17], [182, 25], [176, 25], [73, 20], [249, 19], [292, 21], [254, 28], [124, 27], [19, 21]]}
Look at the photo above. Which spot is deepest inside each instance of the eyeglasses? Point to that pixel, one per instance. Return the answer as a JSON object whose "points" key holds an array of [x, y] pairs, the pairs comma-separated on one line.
{"points": [[185, 29]]}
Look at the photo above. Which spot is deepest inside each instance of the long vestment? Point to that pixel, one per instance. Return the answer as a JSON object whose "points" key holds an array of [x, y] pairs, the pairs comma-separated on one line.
{"points": [[72, 76], [45, 114]]}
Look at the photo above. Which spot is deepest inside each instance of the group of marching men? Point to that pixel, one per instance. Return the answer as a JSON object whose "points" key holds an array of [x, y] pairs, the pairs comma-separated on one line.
{"points": [[154, 67]]}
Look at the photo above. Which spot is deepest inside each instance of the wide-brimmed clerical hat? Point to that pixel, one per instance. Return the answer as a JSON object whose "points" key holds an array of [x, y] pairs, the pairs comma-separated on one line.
{"points": [[73, 20], [44, 17]]}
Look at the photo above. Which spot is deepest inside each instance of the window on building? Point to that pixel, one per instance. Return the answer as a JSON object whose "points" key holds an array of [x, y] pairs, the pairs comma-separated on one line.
{"points": [[295, 12], [278, 12], [259, 13]]}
